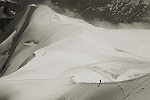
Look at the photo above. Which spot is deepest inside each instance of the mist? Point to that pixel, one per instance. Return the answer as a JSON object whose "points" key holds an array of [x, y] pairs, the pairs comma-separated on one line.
{"points": [[109, 25]]}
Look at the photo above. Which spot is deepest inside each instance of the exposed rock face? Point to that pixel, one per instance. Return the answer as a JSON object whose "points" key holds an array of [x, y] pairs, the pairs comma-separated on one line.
{"points": [[7, 13]]}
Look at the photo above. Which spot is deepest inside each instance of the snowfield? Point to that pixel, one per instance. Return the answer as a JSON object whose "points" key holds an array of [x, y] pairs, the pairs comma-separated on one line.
{"points": [[48, 56]]}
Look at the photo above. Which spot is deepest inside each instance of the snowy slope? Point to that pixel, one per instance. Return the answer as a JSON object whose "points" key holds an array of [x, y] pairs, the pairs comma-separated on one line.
{"points": [[49, 56]]}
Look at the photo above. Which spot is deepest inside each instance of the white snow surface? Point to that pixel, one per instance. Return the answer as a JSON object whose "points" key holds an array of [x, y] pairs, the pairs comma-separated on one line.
{"points": [[66, 58]]}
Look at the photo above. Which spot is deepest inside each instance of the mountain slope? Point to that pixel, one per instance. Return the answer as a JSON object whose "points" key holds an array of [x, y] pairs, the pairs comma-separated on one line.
{"points": [[48, 56]]}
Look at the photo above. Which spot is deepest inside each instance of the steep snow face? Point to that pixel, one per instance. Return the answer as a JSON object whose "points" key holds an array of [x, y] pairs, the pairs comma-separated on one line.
{"points": [[50, 52], [108, 55]]}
